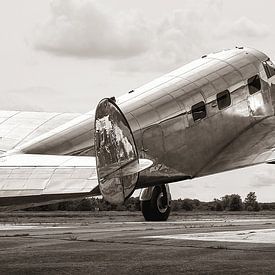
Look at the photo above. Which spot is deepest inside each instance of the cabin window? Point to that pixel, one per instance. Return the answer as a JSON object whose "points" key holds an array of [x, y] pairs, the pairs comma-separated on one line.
{"points": [[198, 111], [254, 84], [269, 68], [223, 99]]}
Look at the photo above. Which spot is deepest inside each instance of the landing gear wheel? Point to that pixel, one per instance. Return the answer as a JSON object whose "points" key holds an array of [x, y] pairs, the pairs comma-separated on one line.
{"points": [[158, 208]]}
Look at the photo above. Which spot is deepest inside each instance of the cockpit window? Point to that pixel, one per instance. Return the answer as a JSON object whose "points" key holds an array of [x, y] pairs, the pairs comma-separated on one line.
{"points": [[254, 84], [269, 68], [223, 99], [198, 111]]}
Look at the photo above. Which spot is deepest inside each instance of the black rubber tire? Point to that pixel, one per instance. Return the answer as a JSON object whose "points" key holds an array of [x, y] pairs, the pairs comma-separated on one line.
{"points": [[150, 209]]}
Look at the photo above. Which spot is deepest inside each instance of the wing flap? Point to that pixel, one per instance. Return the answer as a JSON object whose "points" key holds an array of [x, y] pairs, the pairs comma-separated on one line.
{"points": [[46, 175]]}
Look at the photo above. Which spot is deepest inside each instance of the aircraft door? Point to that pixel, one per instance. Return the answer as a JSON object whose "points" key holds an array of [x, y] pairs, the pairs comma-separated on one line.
{"points": [[152, 142]]}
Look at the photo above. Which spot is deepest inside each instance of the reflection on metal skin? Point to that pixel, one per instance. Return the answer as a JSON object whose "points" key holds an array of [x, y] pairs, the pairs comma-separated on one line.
{"points": [[161, 120], [115, 153]]}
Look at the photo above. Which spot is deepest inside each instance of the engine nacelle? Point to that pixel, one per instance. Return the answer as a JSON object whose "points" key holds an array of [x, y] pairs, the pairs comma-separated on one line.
{"points": [[118, 165]]}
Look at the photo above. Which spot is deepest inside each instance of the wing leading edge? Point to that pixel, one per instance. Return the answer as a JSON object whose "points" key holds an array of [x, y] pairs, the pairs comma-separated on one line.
{"points": [[19, 127]]}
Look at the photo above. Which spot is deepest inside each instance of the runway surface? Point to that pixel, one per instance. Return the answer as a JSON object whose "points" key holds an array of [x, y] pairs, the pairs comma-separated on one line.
{"points": [[122, 243]]}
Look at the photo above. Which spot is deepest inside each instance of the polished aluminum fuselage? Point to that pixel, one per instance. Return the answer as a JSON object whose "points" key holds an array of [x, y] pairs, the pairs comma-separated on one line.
{"points": [[160, 117]]}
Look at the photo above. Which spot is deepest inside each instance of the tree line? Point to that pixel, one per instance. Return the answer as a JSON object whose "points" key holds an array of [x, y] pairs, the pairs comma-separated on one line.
{"points": [[231, 202]]}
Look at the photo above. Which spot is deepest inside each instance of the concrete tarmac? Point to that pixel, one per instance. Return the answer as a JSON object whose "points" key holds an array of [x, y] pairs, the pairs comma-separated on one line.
{"points": [[122, 243]]}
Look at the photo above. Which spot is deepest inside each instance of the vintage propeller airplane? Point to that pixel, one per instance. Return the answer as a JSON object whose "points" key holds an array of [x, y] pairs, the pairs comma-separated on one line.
{"points": [[209, 116]]}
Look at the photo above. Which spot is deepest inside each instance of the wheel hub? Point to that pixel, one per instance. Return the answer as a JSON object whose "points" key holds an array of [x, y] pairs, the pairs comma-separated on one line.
{"points": [[162, 203]]}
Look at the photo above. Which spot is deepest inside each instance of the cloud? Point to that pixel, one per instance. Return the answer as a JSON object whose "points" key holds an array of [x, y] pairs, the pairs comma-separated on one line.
{"points": [[83, 29], [263, 178], [178, 38], [244, 27], [42, 99]]}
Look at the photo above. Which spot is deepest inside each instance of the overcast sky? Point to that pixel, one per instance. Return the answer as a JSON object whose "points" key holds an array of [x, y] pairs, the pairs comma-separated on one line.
{"points": [[66, 55]]}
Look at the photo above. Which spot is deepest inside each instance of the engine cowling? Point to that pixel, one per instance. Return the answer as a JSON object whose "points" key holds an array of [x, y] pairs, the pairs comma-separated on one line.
{"points": [[118, 165]]}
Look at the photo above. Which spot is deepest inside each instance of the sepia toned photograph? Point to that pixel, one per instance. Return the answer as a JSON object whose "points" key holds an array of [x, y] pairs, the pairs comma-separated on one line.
{"points": [[137, 137]]}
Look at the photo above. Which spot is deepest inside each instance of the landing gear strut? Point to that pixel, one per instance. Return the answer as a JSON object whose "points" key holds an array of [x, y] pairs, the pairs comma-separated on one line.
{"points": [[156, 203]]}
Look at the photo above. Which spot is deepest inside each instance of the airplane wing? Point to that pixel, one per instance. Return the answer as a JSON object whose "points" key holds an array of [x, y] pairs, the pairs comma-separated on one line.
{"points": [[254, 146], [17, 127], [27, 180], [32, 179]]}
